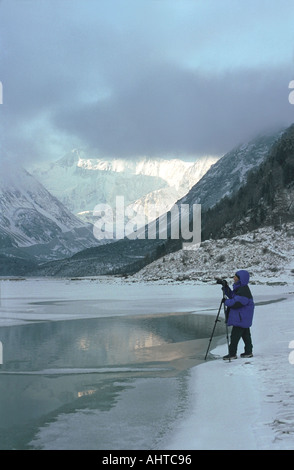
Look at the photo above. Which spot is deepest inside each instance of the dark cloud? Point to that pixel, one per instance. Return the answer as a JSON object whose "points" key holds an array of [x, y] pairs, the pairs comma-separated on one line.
{"points": [[145, 78], [177, 111]]}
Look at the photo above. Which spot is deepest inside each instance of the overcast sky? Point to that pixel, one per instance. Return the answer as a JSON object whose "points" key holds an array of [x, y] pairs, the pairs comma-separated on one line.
{"points": [[131, 78]]}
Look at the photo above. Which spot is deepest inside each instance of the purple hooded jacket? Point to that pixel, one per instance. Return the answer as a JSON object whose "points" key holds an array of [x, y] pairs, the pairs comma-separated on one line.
{"points": [[240, 302]]}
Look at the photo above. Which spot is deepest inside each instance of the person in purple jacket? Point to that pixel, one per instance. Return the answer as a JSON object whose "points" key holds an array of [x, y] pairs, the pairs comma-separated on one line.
{"points": [[240, 309]]}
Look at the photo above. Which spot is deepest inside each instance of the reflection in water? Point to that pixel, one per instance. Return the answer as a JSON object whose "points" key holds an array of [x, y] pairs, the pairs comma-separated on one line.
{"points": [[97, 370]]}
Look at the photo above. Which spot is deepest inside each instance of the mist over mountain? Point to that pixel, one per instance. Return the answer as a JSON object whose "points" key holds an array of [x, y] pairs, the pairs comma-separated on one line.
{"points": [[81, 183], [230, 172]]}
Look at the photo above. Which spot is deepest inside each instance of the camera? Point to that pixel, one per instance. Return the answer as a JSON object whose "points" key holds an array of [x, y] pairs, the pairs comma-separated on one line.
{"points": [[223, 282]]}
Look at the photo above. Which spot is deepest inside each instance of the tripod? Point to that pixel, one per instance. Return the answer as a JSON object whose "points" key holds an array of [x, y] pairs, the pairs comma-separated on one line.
{"points": [[218, 320]]}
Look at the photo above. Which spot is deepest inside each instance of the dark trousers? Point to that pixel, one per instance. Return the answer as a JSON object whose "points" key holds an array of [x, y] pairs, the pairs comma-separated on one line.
{"points": [[236, 334]]}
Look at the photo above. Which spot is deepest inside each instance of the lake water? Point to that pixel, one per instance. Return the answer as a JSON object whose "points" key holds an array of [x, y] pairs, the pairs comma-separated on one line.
{"points": [[112, 382]]}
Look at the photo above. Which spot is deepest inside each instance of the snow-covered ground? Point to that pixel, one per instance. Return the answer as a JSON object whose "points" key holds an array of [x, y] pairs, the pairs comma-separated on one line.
{"points": [[244, 404], [247, 403], [267, 253]]}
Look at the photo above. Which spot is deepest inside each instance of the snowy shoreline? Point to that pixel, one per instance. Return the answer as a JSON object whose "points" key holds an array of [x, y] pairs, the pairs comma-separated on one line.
{"points": [[245, 404]]}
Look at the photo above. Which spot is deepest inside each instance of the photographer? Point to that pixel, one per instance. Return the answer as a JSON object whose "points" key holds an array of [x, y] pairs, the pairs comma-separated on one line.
{"points": [[240, 309]]}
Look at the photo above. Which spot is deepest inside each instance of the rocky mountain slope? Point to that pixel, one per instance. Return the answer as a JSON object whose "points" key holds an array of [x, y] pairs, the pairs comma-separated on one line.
{"points": [[253, 229], [230, 172], [34, 225], [267, 253], [266, 199]]}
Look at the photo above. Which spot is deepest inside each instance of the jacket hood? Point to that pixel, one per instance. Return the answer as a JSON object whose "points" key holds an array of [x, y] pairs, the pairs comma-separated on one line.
{"points": [[243, 276]]}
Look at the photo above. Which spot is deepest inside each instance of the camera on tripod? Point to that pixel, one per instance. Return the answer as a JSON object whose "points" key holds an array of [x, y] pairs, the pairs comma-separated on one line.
{"points": [[223, 282]]}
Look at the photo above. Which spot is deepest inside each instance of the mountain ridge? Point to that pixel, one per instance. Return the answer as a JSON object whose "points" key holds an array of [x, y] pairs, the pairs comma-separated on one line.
{"points": [[230, 172]]}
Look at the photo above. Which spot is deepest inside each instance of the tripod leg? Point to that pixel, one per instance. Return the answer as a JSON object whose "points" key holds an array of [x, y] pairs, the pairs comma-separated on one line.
{"points": [[216, 320], [227, 332]]}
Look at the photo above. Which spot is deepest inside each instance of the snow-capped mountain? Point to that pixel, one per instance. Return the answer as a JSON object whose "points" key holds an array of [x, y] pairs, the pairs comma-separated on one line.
{"points": [[227, 175], [81, 183], [230, 172], [34, 221]]}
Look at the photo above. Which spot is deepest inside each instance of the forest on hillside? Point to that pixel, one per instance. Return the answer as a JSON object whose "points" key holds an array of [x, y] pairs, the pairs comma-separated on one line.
{"points": [[267, 197]]}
